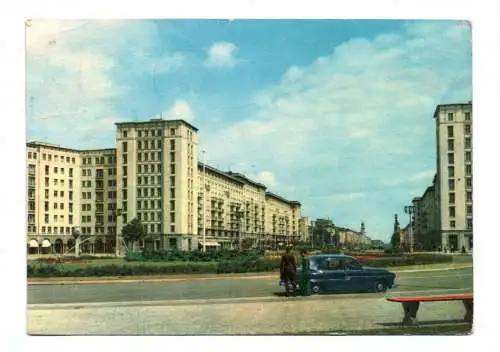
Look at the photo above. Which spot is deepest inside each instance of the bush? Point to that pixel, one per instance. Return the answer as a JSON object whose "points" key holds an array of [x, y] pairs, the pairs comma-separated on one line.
{"points": [[407, 260], [193, 256]]}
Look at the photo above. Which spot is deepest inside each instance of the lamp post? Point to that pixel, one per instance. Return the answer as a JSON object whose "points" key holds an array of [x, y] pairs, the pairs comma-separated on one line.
{"points": [[76, 234], [204, 246], [410, 210]]}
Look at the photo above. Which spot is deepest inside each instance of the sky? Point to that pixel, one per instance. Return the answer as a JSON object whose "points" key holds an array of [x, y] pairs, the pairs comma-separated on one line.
{"points": [[337, 114]]}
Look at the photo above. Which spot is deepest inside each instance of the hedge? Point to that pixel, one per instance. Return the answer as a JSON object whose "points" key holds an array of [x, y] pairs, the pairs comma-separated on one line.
{"points": [[193, 256], [259, 265], [219, 267]]}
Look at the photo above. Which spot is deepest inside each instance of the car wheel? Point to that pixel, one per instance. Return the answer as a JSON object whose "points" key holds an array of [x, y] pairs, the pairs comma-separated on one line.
{"points": [[315, 289], [380, 286]]}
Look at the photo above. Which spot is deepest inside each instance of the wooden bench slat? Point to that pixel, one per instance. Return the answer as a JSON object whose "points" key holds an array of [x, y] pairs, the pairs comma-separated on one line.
{"points": [[403, 299]]}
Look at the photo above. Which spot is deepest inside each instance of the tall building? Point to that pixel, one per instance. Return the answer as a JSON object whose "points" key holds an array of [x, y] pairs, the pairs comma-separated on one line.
{"points": [[454, 170], [426, 224], [156, 163], [152, 175]]}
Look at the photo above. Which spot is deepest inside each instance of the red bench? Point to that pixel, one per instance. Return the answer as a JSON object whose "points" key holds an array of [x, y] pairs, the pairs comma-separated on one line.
{"points": [[411, 305]]}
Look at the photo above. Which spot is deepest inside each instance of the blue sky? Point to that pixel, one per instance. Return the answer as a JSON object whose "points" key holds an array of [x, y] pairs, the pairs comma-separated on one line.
{"points": [[335, 114]]}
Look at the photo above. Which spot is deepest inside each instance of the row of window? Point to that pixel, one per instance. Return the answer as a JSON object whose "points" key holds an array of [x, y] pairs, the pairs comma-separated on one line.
{"points": [[99, 160], [57, 158], [150, 192], [452, 213], [451, 116], [451, 157], [467, 130], [467, 144], [151, 132], [58, 218], [468, 224], [451, 171], [147, 168], [451, 183]]}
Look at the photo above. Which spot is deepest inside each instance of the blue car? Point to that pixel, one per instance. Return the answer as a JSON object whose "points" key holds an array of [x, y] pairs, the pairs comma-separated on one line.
{"points": [[342, 273]]}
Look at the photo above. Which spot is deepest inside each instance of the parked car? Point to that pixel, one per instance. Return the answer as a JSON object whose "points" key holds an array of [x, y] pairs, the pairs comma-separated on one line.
{"points": [[343, 273]]}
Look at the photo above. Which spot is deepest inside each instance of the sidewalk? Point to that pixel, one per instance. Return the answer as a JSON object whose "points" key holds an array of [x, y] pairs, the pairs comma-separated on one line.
{"points": [[190, 277], [293, 315]]}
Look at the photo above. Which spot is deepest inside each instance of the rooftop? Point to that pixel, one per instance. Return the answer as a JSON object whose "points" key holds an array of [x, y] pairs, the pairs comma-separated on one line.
{"points": [[452, 105], [156, 121]]}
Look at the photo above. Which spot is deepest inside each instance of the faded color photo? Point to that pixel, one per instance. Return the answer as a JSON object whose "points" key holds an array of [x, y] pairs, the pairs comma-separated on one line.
{"points": [[249, 177]]}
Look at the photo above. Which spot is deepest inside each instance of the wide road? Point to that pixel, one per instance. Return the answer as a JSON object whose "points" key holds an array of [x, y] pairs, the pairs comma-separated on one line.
{"points": [[409, 283]]}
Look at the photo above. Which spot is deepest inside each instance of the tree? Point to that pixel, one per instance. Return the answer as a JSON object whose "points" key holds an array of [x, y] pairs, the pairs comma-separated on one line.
{"points": [[132, 232], [395, 240]]}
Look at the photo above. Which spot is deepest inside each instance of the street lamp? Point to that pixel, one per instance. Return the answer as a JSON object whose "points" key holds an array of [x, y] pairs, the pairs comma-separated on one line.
{"points": [[76, 234], [204, 247], [410, 210]]}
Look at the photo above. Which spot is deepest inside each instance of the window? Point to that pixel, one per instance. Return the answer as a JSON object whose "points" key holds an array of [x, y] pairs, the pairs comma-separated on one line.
{"points": [[172, 157], [172, 144], [124, 158], [468, 156], [468, 182], [468, 196], [468, 143], [124, 133], [172, 131], [124, 182], [44, 156], [451, 171], [158, 144], [50, 157], [468, 170], [469, 209], [172, 205], [61, 194], [124, 147], [46, 194], [469, 224], [124, 170], [46, 169], [172, 192], [452, 212], [172, 168], [452, 224], [467, 116], [451, 158], [172, 181], [451, 144], [46, 182], [124, 194], [172, 230], [450, 116], [62, 170], [55, 193], [450, 131], [159, 156], [46, 218], [46, 206], [55, 170], [468, 128], [139, 192], [451, 198], [70, 172]]}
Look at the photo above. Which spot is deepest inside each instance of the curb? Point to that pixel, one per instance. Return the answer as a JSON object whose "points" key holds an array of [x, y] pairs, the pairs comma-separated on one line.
{"points": [[119, 280]]}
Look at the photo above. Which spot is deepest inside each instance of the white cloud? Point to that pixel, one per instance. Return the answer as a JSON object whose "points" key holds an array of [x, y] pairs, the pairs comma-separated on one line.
{"points": [[180, 110], [267, 178], [220, 55], [347, 197], [73, 76], [369, 100], [424, 175]]}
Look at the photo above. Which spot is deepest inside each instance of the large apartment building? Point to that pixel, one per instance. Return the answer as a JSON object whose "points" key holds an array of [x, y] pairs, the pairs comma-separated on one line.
{"points": [[66, 192], [152, 175], [454, 170]]}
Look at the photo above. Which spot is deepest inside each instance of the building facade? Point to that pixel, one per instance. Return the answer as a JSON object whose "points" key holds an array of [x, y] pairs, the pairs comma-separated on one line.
{"points": [[152, 175], [454, 170]]}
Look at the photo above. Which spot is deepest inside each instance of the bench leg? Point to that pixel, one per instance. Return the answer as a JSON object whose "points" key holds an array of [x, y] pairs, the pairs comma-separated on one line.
{"points": [[410, 309], [469, 310]]}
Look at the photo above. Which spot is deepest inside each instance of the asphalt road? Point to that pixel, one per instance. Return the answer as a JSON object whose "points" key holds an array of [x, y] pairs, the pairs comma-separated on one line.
{"points": [[424, 282]]}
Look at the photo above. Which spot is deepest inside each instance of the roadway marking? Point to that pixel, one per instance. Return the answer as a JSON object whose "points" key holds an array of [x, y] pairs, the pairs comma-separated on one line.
{"points": [[252, 277], [231, 300]]}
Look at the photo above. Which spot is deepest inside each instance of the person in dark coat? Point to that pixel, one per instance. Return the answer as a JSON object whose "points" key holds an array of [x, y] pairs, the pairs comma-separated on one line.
{"points": [[288, 270]]}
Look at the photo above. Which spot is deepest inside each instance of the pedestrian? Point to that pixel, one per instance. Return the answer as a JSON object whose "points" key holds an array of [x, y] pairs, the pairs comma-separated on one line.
{"points": [[305, 286], [288, 270]]}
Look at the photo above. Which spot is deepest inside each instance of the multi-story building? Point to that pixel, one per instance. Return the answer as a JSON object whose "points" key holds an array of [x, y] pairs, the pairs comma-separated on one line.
{"points": [[305, 229], [70, 190], [426, 219], [454, 170], [152, 175], [157, 180]]}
